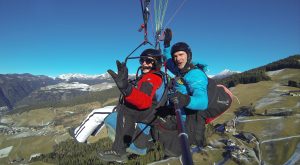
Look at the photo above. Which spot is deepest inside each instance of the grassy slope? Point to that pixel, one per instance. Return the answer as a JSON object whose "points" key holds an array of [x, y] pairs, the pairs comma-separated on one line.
{"points": [[250, 94], [277, 151], [64, 118]]}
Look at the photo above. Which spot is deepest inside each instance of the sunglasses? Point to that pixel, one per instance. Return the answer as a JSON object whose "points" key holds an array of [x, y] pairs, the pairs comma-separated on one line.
{"points": [[147, 60]]}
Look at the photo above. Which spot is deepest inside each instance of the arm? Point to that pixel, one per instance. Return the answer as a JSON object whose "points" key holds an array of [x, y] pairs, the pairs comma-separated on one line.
{"points": [[142, 96], [170, 64], [197, 82], [167, 51]]}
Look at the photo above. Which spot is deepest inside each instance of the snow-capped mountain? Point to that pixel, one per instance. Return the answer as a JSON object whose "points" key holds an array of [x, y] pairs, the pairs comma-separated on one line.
{"points": [[85, 79], [71, 76], [224, 73], [82, 82], [78, 86], [79, 76]]}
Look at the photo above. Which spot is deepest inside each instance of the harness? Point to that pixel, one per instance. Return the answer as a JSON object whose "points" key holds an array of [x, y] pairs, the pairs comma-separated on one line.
{"points": [[161, 93]]}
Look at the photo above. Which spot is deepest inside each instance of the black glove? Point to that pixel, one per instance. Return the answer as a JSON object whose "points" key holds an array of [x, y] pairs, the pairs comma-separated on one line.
{"points": [[168, 37], [121, 79], [179, 99]]}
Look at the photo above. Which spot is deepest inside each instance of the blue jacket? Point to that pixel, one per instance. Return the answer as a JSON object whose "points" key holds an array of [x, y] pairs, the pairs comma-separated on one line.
{"points": [[193, 83]]}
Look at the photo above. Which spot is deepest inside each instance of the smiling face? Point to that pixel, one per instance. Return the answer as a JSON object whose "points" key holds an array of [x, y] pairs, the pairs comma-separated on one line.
{"points": [[147, 64], [180, 59]]}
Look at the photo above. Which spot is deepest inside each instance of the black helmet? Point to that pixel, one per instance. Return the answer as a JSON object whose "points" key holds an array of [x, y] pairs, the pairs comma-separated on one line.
{"points": [[182, 46], [155, 54]]}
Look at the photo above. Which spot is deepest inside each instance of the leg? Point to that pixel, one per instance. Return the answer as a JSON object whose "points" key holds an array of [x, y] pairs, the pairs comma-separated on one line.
{"points": [[124, 131]]}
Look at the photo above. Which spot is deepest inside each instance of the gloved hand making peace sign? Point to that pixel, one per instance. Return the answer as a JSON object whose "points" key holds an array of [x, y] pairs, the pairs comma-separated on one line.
{"points": [[121, 79]]}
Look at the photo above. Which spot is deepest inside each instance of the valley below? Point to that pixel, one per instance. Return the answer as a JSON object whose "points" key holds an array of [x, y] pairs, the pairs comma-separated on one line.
{"points": [[264, 110]]}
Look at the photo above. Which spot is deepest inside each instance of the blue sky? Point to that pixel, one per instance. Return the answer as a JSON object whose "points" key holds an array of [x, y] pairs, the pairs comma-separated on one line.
{"points": [[53, 37]]}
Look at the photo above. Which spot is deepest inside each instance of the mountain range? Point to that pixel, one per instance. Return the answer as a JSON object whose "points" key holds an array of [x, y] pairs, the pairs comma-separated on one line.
{"points": [[21, 90]]}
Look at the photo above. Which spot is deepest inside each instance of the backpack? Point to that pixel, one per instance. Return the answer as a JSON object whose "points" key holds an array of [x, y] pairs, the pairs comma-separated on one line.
{"points": [[219, 100]]}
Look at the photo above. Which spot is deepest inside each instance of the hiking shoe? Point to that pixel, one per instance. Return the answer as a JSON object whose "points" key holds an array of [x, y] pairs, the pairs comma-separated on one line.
{"points": [[113, 156]]}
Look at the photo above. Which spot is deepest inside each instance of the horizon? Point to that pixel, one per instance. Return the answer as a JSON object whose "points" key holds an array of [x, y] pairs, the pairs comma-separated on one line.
{"points": [[106, 73], [53, 37]]}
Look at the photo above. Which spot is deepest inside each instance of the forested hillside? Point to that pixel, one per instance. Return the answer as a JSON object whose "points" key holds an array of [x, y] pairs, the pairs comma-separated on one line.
{"points": [[259, 74]]}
